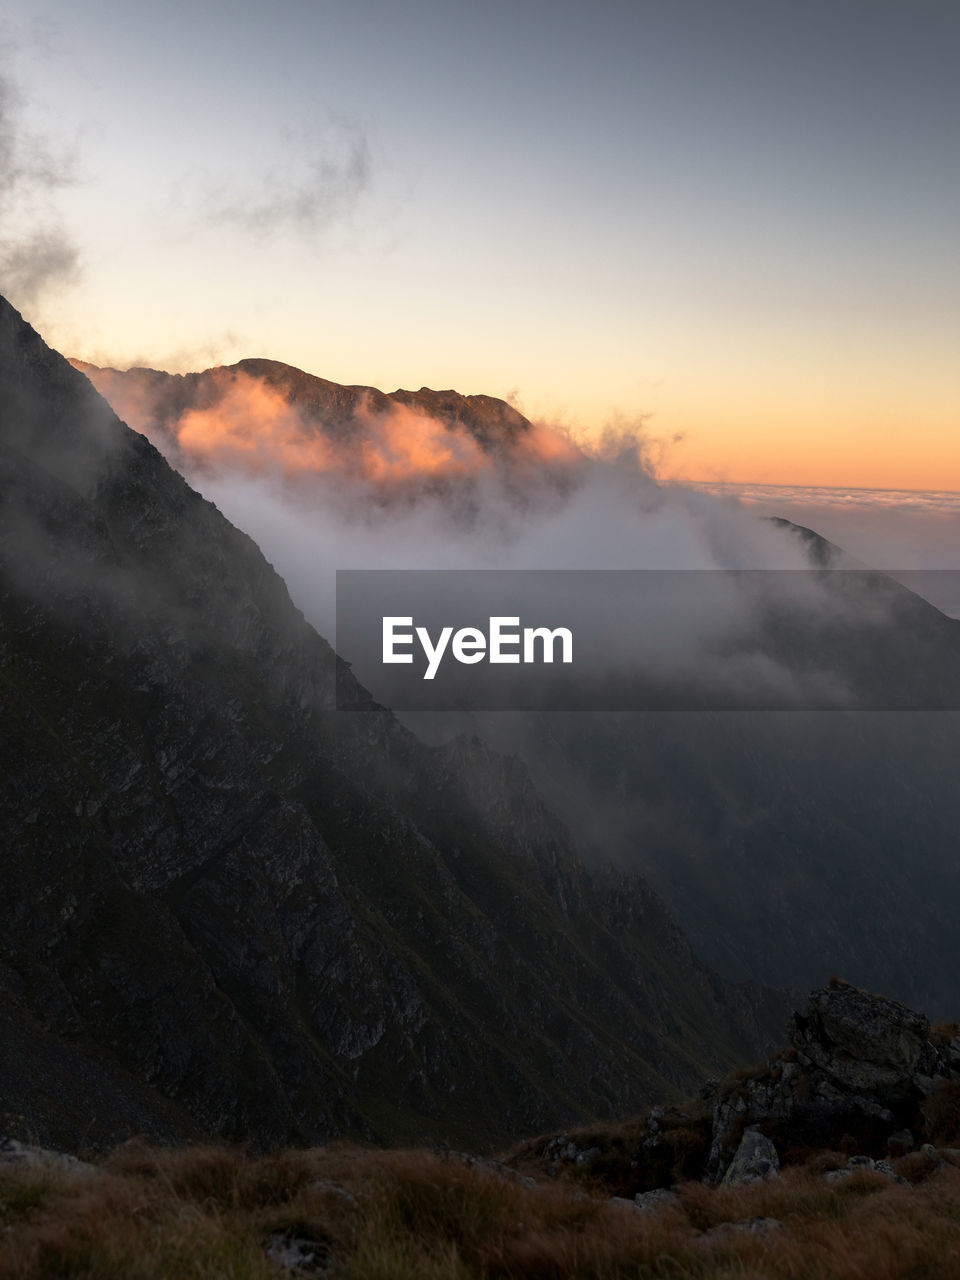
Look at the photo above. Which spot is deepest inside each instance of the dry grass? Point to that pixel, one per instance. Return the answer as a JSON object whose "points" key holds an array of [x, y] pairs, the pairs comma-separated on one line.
{"points": [[631, 1157], [416, 1215], [941, 1113], [941, 1033]]}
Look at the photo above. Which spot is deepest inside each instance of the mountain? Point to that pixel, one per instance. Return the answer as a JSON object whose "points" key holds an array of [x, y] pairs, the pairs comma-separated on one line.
{"points": [[835, 1158], [228, 908], [327, 411], [789, 844]]}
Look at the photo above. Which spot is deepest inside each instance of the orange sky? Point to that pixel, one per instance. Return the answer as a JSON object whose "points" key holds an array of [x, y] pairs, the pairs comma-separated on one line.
{"points": [[738, 227], [878, 452], [885, 432]]}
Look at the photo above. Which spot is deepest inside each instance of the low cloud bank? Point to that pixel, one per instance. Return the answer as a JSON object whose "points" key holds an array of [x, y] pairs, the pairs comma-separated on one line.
{"points": [[327, 477]]}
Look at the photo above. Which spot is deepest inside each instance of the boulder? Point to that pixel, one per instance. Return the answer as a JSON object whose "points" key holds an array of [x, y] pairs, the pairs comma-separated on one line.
{"points": [[864, 1164], [727, 1232], [23, 1154], [756, 1158], [866, 1044], [858, 1067], [297, 1254], [646, 1201], [750, 1226]]}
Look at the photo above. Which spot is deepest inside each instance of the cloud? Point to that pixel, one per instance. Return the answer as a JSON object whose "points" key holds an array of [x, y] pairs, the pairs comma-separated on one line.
{"points": [[355, 447], [890, 529], [38, 264], [319, 186], [326, 478], [931, 500], [37, 254]]}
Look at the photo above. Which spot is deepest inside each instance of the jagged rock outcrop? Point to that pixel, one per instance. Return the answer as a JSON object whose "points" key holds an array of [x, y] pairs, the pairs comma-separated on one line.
{"points": [[858, 1068], [864, 1044], [230, 908], [862, 1075]]}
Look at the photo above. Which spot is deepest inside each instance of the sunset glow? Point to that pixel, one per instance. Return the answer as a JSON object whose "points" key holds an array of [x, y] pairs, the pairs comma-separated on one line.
{"points": [[245, 425], [734, 226], [254, 428]]}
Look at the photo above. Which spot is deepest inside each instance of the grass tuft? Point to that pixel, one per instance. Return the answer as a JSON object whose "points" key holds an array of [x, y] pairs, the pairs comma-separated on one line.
{"points": [[199, 1213]]}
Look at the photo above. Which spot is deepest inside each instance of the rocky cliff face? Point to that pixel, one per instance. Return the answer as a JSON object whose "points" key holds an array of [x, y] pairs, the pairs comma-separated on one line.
{"points": [[228, 908]]}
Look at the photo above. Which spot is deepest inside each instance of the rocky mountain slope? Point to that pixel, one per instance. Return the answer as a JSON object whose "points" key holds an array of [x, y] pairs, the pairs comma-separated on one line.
{"points": [[228, 908], [788, 844], [837, 1158]]}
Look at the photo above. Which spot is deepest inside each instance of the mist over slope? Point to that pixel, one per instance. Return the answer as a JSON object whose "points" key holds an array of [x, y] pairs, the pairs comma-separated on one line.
{"points": [[235, 911], [787, 843], [327, 477]]}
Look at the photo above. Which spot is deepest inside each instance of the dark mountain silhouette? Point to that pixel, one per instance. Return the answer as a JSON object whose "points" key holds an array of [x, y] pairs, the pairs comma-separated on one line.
{"points": [[789, 842], [230, 909]]}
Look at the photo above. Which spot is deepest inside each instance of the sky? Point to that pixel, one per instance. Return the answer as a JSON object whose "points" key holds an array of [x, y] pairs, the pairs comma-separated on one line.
{"points": [[730, 221]]}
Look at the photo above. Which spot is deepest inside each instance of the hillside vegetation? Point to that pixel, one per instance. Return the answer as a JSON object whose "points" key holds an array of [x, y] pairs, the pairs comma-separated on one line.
{"points": [[862, 1182], [205, 1212]]}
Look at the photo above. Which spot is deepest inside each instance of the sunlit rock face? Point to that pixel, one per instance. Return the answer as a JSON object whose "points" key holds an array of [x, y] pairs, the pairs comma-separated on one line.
{"points": [[228, 909], [263, 416]]}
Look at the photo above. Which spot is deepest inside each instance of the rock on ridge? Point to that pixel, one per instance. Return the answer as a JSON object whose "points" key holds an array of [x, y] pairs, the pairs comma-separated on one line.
{"points": [[862, 1075], [858, 1066]]}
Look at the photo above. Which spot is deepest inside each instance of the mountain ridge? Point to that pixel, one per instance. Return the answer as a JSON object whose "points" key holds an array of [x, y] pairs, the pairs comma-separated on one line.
{"points": [[324, 407], [291, 923], [753, 826]]}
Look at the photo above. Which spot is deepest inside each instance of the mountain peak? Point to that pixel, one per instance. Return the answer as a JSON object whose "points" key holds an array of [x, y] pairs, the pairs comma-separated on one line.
{"points": [[246, 914]]}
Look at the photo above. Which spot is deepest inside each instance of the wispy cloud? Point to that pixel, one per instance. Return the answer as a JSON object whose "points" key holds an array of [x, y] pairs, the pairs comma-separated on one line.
{"points": [[892, 529], [318, 185], [37, 254]]}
